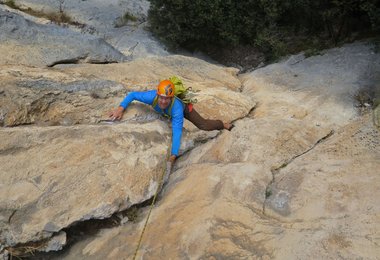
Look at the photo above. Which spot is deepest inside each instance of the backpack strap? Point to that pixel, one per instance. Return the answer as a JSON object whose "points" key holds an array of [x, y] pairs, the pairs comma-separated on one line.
{"points": [[170, 108], [155, 101]]}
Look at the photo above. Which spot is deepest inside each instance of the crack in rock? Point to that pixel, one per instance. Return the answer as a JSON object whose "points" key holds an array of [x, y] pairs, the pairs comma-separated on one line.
{"points": [[203, 141], [283, 197], [80, 229], [78, 60], [132, 49], [248, 115], [10, 217], [73, 233]]}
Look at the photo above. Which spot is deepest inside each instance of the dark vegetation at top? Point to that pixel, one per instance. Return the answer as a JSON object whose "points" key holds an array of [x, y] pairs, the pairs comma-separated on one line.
{"points": [[271, 27], [58, 17]]}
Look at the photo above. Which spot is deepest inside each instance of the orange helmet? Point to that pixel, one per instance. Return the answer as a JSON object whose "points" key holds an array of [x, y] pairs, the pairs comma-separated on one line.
{"points": [[165, 88]]}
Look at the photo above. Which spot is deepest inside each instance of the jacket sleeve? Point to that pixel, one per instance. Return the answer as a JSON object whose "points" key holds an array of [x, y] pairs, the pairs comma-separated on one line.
{"points": [[177, 125], [146, 97]]}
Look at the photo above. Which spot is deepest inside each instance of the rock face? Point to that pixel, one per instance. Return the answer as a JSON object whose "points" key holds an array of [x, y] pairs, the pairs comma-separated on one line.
{"points": [[119, 22], [135, 42], [23, 42], [65, 165], [98, 14], [83, 94], [50, 187], [296, 179]]}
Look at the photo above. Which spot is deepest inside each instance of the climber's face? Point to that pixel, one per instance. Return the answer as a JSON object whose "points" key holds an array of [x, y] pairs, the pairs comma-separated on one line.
{"points": [[164, 102]]}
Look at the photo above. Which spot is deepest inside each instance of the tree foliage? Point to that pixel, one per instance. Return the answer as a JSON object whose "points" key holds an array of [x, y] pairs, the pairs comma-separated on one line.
{"points": [[268, 24]]}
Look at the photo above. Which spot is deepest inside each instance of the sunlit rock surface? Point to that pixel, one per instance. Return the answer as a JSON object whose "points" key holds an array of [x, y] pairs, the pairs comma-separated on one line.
{"points": [[23, 42], [62, 162], [295, 179]]}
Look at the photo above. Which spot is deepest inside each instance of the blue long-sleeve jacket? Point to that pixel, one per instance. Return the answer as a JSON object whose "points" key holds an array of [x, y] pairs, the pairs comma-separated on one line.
{"points": [[147, 97]]}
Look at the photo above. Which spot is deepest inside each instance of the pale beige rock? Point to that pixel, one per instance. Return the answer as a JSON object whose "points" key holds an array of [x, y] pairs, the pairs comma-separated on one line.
{"points": [[296, 179], [214, 217], [56, 243], [146, 73], [107, 21], [84, 94], [376, 116], [32, 44], [329, 197], [51, 97], [58, 175], [55, 176], [219, 94]]}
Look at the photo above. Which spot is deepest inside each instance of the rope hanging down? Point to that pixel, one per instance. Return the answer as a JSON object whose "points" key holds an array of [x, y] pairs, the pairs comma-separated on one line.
{"points": [[150, 210]]}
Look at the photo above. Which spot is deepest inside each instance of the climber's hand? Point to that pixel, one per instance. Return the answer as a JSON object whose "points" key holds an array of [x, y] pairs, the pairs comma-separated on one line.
{"points": [[116, 114]]}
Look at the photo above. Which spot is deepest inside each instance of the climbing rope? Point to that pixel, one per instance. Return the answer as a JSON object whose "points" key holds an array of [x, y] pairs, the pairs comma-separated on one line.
{"points": [[150, 210]]}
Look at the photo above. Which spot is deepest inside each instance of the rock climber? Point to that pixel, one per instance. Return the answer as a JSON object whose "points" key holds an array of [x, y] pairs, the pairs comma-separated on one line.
{"points": [[165, 102]]}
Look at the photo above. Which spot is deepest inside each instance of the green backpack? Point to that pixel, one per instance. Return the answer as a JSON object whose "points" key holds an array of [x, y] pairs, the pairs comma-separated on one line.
{"points": [[186, 95]]}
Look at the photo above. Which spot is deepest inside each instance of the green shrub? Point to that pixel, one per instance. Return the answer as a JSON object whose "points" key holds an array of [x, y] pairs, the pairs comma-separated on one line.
{"points": [[11, 4], [277, 27], [127, 17], [56, 17]]}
